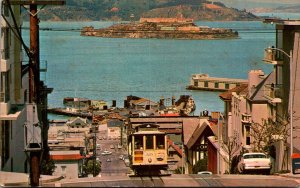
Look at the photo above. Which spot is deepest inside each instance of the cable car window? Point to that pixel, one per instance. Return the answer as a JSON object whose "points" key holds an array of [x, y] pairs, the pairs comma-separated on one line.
{"points": [[160, 141], [149, 142], [138, 142]]}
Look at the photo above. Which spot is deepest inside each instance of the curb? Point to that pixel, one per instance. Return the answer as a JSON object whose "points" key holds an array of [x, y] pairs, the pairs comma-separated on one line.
{"points": [[26, 184]]}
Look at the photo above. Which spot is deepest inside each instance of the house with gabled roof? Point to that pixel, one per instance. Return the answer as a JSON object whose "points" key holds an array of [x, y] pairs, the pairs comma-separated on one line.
{"points": [[244, 105], [196, 142], [78, 123], [143, 104]]}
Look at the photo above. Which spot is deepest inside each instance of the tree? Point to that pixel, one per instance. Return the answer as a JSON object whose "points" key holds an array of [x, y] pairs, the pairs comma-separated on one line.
{"points": [[88, 167], [266, 134], [231, 147], [47, 167]]}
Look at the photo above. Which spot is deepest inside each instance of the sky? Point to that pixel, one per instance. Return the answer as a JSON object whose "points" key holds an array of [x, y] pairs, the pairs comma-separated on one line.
{"points": [[248, 4]]}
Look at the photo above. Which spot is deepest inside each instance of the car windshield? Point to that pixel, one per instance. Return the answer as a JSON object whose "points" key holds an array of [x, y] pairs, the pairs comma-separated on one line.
{"points": [[254, 156]]}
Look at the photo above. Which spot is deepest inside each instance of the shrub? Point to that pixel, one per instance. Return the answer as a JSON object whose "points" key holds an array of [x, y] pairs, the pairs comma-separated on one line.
{"points": [[179, 170], [201, 165]]}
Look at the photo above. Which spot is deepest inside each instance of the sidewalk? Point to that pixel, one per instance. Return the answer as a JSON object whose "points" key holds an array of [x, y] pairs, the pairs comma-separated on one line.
{"points": [[295, 177], [22, 179]]}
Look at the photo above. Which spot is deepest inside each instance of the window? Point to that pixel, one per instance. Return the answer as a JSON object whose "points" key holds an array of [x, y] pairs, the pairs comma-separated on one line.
{"points": [[216, 85], [149, 142], [254, 156], [5, 87], [6, 43], [226, 86], [63, 171], [138, 142], [160, 142], [248, 141], [5, 135], [205, 84], [195, 83], [5, 10]]}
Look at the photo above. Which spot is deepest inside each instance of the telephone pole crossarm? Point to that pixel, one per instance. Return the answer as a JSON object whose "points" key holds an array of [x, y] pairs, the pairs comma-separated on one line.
{"points": [[37, 2]]}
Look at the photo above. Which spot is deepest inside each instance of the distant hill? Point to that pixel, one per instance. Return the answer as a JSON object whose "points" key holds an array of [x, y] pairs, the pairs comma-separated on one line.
{"points": [[118, 10], [291, 9], [281, 9]]}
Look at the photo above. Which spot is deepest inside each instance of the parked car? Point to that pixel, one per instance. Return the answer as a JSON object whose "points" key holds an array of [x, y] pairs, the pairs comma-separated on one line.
{"points": [[108, 160], [127, 162], [112, 147], [106, 152], [255, 162], [205, 172], [125, 157], [121, 157]]}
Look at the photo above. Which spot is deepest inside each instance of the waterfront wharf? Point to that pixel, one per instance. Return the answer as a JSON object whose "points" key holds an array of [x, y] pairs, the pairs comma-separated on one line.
{"points": [[64, 111], [204, 82]]}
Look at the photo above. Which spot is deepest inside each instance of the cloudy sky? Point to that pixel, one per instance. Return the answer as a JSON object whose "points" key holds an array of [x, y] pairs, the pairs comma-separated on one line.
{"points": [[259, 3]]}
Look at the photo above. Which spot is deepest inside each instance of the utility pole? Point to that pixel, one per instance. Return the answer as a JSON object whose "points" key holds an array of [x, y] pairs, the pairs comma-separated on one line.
{"points": [[37, 95], [94, 151], [219, 143]]}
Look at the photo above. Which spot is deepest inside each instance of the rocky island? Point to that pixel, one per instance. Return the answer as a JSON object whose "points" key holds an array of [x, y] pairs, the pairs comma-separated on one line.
{"points": [[160, 28]]}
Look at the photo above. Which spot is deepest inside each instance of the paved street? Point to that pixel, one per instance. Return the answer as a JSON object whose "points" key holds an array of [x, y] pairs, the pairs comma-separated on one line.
{"points": [[115, 165], [177, 180], [114, 174]]}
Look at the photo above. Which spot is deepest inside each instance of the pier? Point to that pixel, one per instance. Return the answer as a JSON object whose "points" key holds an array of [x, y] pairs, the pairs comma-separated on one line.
{"points": [[204, 82], [64, 111]]}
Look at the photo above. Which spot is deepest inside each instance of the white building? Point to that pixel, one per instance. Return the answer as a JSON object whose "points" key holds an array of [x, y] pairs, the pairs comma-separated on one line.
{"points": [[13, 94], [68, 163]]}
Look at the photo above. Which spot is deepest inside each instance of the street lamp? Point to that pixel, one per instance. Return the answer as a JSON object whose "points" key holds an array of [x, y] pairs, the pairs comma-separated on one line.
{"points": [[271, 50], [270, 58], [220, 118]]}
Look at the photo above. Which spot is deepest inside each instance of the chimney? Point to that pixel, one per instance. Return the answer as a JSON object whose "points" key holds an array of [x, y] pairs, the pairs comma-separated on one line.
{"points": [[254, 78], [173, 100], [113, 103], [162, 101]]}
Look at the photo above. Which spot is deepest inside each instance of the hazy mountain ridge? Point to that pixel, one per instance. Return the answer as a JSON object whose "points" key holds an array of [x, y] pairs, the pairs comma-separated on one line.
{"points": [[281, 9], [95, 10]]}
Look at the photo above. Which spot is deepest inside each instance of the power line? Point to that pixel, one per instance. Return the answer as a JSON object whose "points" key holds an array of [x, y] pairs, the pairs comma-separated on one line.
{"points": [[244, 30]]}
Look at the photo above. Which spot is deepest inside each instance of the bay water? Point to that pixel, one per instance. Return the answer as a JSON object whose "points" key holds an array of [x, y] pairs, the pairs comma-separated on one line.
{"points": [[113, 68]]}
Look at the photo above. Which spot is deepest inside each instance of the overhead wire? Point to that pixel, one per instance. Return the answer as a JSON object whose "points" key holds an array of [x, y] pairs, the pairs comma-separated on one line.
{"points": [[19, 35], [79, 30]]}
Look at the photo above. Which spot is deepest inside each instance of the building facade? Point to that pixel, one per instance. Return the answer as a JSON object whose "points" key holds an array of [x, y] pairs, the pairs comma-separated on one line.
{"points": [[13, 93], [270, 97]]}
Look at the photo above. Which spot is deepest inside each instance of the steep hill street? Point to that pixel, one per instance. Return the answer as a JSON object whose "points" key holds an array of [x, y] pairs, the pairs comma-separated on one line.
{"points": [[177, 180]]}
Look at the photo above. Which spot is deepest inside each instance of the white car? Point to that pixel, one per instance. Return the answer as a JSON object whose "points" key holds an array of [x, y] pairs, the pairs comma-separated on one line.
{"points": [[255, 162], [106, 153], [205, 173], [127, 162]]}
